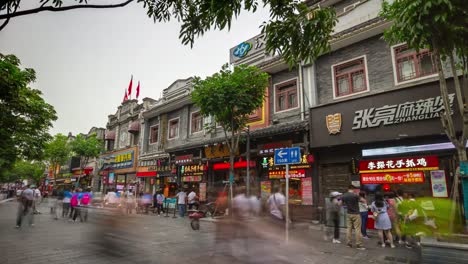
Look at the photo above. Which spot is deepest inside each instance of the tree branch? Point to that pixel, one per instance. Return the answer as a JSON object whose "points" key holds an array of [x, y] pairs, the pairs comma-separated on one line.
{"points": [[58, 9]]}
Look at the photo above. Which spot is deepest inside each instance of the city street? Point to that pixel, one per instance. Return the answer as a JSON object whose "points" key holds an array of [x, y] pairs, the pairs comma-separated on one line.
{"points": [[157, 239]]}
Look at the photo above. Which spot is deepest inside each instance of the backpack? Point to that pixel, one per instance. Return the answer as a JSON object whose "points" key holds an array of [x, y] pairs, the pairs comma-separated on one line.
{"points": [[85, 199], [74, 201]]}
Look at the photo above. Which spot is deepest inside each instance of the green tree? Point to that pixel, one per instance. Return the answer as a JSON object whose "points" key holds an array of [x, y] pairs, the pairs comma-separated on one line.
{"points": [[86, 147], [57, 152], [230, 96], [293, 29], [25, 117], [442, 27], [26, 170]]}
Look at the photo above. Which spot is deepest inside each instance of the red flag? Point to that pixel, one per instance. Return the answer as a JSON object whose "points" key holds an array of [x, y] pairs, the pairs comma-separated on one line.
{"points": [[138, 90], [125, 97], [130, 87]]}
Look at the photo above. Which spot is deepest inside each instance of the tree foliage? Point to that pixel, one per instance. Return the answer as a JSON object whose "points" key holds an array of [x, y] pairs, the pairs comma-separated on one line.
{"points": [[57, 151], [24, 170], [25, 117], [230, 96], [86, 147], [293, 29]]}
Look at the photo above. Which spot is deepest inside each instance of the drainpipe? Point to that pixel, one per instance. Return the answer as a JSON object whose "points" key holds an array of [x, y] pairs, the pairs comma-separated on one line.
{"points": [[301, 91]]}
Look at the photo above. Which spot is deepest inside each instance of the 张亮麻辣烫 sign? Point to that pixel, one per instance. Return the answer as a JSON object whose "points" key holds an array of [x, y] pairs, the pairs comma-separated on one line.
{"points": [[399, 164]]}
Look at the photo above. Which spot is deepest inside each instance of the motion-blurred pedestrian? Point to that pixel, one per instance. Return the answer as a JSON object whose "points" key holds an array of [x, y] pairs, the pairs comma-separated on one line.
{"points": [[334, 208], [25, 206], [363, 210]]}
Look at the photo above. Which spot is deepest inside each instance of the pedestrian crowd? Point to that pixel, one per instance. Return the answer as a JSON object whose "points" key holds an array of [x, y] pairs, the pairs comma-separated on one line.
{"points": [[398, 217]]}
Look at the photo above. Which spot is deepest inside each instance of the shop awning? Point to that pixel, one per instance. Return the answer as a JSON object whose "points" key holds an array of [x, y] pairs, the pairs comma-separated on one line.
{"points": [[237, 165], [110, 135], [134, 127], [147, 174]]}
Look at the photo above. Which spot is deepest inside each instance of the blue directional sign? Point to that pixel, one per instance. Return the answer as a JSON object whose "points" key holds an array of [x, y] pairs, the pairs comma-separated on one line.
{"points": [[287, 156]]}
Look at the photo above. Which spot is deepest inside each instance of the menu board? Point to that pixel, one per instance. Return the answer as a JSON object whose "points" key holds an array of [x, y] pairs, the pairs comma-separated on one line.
{"points": [[202, 195], [266, 189], [439, 184], [306, 185]]}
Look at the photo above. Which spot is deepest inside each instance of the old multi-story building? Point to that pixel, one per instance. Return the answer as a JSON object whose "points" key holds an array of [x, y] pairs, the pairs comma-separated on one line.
{"points": [[119, 162], [374, 120]]}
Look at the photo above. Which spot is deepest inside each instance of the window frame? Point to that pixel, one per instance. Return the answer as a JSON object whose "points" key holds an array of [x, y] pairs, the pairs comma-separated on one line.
{"points": [[192, 123], [396, 77], [169, 128], [150, 130], [278, 86], [344, 63]]}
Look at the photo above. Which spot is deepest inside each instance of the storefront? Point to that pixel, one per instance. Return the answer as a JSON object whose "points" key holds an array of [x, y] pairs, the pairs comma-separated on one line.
{"points": [[118, 169], [155, 174], [384, 142]]}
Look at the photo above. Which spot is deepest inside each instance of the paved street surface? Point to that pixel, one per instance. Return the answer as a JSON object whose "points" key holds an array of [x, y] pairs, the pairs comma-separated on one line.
{"points": [[156, 239]]}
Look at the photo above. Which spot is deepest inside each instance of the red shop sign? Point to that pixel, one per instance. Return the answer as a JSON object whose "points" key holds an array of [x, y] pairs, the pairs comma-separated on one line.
{"points": [[280, 174], [399, 164], [393, 177]]}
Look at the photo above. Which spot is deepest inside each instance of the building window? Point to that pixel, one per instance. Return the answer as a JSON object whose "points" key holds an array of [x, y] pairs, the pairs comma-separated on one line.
{"points": [[350, 77], [154, 133], [173, 128], [286, 95], [256, 115], [197, 122], [411, 65]]}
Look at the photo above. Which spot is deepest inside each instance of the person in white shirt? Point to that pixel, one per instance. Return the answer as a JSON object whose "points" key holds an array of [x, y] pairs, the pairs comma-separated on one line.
{"points": [[241, 205], [277, 202], [192, 200], [25, 207], [181, 202], [111, 199], [37, 200]]}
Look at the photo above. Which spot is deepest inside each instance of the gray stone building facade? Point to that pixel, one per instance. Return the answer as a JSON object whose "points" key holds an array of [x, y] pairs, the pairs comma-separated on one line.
{"points": [[374, 103]]}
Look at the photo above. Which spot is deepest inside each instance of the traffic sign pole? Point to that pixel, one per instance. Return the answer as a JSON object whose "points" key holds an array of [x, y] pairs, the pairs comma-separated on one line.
{"points": [[287, 203]]}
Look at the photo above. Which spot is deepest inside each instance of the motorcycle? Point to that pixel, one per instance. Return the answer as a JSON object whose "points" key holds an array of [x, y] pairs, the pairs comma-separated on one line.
{"points": [[205, 211]]}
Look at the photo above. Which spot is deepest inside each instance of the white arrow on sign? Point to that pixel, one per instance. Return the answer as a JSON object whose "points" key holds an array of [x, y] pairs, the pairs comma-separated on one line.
{"points": [[281, 153]]}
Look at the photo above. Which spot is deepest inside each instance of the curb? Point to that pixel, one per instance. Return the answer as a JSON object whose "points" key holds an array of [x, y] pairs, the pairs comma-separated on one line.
{"points": [[7, 200]]}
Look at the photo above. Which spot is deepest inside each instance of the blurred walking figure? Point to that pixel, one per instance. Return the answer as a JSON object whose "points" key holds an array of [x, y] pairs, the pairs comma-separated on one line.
{"points": [[363, 210], [85, 201], [67, 195], [159, 202], [25, 206], [277, 203], [74, 203], [111, 199], [382, 221], [130, 202], [353, 219], [181, 202], [53, 204], [37, 199], [334, 215], [255, 204], [192, 200]]}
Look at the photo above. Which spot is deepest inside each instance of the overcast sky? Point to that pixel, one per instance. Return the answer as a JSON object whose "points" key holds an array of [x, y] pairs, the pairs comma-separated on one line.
{"points": [[84, 58]]}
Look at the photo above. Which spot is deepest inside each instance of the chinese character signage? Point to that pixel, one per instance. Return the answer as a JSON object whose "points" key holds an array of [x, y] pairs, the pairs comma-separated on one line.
{"points": [[269, 148], [399, 164], [439, 184], [393, 177], [280, 174], [334, 123], [186, 159], [191, 178], [193, 170], [400, 113], [306, 185], [248, 48]]}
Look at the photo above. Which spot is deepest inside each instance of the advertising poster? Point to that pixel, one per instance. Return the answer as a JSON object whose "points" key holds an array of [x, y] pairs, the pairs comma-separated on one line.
{"points": [[202, 195], [439, 184], [306, 191], [393, 177], [266, 189], [111, 178]]}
